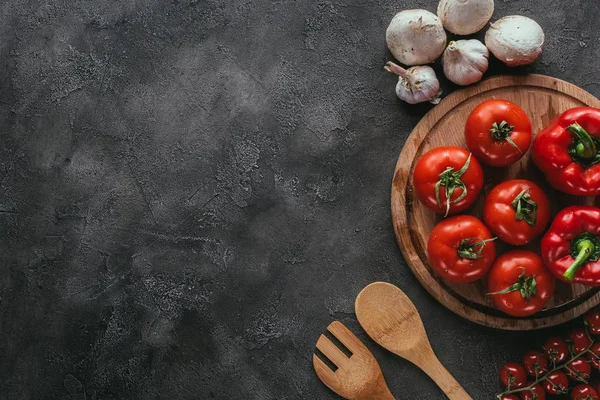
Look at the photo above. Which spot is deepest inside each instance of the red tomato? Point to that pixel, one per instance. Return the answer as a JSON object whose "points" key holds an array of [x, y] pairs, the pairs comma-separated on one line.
{"points": [[517, 211], [556, 349], [579, 369], [509, 397], [519, 284], [498, 132], [535, 363], [594, 355], [556, 383], [457, 175], [580, 339], [512, 375], [461, 249], [592, 320], [584, 392], [535, 393]]}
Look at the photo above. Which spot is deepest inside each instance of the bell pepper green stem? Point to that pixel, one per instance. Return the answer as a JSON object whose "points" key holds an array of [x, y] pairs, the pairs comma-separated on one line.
{"points": [[585, 248], [585, 147]]}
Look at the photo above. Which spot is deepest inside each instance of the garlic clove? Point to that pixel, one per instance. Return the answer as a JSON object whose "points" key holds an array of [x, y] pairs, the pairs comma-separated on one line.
{"points": [[515, 40], [464, 17], [416, 37], [416, 84], [465, 61]]}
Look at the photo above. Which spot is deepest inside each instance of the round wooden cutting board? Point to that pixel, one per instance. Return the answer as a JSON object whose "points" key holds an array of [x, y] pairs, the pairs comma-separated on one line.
{"points": [[542, 97]]}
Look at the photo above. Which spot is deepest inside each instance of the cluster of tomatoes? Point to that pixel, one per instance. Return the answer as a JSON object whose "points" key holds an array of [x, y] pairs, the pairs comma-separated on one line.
{"points": [[560, 361], [461, 248]]}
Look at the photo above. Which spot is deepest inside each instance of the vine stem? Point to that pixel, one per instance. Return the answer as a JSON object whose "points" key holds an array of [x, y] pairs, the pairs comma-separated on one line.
{"points": [[556, 368]]}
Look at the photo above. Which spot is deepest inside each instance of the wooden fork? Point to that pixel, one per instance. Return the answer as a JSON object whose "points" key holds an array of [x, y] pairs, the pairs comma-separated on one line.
{"points": [[359, 376]]}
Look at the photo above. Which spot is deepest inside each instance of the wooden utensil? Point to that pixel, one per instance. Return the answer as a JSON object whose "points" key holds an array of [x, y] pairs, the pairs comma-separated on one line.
{"points": [[391, 319], [542, 98], [357, 377]]}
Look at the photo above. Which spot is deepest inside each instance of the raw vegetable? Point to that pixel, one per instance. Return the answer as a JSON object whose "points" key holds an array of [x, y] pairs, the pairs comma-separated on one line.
{"points": [[461, 249], [579, 339], [556, 349], [498, 132], [465, 61], [568, 151], [416, 37], [448, 179], [463, 17], [536, 392], [513, 375], [519, 284], [584, 392], [556, 383], [592, 320], [517, 211], [416, 84], [579, 369], [515, 40], [571, 247], [535, 363]]}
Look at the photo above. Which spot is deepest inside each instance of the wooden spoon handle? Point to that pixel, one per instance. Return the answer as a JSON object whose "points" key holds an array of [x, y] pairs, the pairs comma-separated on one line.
{"points": [[440, 375]]}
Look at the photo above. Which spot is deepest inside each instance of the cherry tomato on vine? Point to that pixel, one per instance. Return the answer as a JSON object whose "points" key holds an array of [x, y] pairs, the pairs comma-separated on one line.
{"points": [[498, 132], [556, 383], [584, 392], [519, 284], [461, 249], [448, 179], [535, 363], [535, 393], [580, 339], [517, 211], [579, 369], [512, 375], [509, 397], [556, 349], [594, 355], [592, 320]]}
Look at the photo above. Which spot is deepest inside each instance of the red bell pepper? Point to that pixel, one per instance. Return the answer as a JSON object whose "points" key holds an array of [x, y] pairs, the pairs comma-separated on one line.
{"points": [[568, 151], [571, 247]]}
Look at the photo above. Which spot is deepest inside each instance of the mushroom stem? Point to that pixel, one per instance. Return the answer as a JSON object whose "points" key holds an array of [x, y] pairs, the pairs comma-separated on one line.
{"points": [[395, 69]]}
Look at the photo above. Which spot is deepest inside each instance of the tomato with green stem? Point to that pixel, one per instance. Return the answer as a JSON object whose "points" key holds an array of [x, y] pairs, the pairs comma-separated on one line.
{"points": [[579, 369], [461, 249], [556, 349], [512, 375], [556, 383], [584, 392], [592, 320], [579, 339], [498, 132], [519, 284], [535, 363], [535, 393], [448, 179], [509, 397], [516, 211], [593, 355]]}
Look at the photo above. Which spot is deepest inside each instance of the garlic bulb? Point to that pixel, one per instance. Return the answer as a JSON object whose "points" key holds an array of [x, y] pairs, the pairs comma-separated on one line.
{"points": [[416, 37], [465, 61], [515, 40], [416, 84], [463, 17]]}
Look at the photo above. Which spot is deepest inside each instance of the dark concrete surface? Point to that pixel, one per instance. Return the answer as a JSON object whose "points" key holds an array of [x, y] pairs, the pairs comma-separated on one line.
{"points": [[192, 190]]}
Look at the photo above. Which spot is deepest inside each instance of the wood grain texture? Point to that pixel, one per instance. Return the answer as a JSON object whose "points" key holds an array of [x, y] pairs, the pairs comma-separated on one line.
{"points": [[357, 377], [392, 320], [543, 98]]}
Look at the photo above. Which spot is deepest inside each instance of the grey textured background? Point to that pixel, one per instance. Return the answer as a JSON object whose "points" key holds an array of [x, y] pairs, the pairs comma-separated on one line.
{"points": [[192, 190]]}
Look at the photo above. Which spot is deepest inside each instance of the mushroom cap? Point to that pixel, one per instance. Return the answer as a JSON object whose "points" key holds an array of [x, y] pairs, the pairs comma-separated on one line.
{"points": [[464, 17], [515, 40], [416, 37]]}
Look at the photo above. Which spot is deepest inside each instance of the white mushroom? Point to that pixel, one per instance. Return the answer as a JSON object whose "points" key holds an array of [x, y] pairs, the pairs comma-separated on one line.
{"points": [[465, 61], [416, 37], [464, 17], [515, 40]]}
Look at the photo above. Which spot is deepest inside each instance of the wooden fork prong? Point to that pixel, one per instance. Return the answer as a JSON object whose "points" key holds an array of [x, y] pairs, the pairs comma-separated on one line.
{"points": [[331, 351], [323, 371], [346, 337]]}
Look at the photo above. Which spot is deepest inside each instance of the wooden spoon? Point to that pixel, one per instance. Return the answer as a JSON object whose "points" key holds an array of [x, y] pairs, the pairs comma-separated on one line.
{"points": [[391, 319], [358, 377]]}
